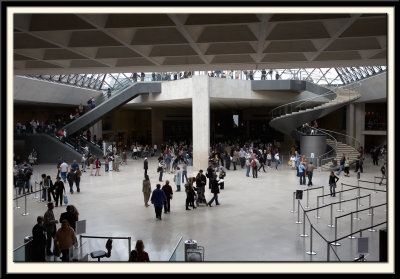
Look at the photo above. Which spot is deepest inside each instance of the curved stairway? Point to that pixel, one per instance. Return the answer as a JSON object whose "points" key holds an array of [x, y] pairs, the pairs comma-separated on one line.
{"points": [[289, 117]]}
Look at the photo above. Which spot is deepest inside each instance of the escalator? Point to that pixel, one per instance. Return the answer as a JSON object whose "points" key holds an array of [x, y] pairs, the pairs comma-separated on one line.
{"points": [[107, 104]]}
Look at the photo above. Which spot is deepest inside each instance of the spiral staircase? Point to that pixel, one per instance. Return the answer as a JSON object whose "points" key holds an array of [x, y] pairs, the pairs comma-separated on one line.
{"points": [[289, 117]]}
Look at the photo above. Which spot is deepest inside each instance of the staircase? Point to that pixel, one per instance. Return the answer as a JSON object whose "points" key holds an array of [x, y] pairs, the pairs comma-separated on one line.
{"points": [[289, 117]]}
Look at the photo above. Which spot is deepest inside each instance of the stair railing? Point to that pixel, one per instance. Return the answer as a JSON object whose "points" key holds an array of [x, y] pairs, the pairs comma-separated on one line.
{"points": [[339, 137]]}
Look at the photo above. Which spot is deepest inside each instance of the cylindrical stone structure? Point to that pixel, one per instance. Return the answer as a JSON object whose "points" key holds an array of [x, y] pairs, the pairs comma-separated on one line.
{"points": [[312, 146]]}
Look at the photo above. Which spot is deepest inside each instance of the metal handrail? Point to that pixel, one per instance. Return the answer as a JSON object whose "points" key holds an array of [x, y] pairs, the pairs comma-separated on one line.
{"points": [[303, 101], [321, 157]]}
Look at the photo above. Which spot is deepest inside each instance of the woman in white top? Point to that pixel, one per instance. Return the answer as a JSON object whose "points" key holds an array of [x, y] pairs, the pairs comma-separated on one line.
{"points": [[277, 161], [293, 160]]}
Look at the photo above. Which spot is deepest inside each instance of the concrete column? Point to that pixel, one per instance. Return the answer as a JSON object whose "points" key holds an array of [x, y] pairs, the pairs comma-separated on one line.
{"points": [[360, 122], [201, 121], [97, 129]]}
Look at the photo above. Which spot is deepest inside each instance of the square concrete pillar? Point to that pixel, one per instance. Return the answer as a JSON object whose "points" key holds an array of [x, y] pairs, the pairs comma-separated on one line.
{"points": [[201, 121]]}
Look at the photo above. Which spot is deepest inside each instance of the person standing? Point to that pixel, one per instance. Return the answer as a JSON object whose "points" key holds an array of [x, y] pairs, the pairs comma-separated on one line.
{"points": [[64, 170], [91, 164], [269, 159], [184, 171], [39, 241], [302, 174], [98, 166], [347, 166], [50, 190], [215, 191], [83, 162], [160, 169], [310, 169], [106, 163], [342, 160], [248, 166], [178, 179], [158, 198], [146, 189], [145, 166], [59, 189], [65, 238], [384, 173], [254, 168], [278, 161], [139, 255], [49, 223], [332, 183], [221, 176], [190, 193], [168, 192], [71, 177], [71, 215]]}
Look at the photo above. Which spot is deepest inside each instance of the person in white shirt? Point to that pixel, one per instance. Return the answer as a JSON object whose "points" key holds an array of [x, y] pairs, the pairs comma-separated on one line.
{"points": [[155, 150], [64, 170], [293, 160], [277, 161]]}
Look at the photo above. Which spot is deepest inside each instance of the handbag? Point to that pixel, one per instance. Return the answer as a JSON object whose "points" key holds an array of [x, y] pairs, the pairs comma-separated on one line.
{"points": [[65, 199]]}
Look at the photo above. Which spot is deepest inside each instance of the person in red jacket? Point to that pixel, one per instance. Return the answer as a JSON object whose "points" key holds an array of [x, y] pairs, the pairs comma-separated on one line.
{"points": [[98, 165], [168, 192]]}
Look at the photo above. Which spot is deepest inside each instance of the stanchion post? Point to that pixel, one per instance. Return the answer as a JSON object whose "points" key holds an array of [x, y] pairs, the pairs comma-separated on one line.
{"points": [[307, 207], [369, 211], [356, 218], [331, 225], [294, 199], [341, 192], [375, 185], [340, 203], [351, 227], [372, 222], [304, 225], [16, 197], [323, 195], [317, 217], [335, 243], [311, 252], [25, 213], [34, 195], [298, 212]]}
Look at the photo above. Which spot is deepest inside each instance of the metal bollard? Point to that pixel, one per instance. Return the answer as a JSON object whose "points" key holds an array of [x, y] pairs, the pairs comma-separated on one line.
{"points": [[311, 252], [342, 191], [25, 213], [298, 213], [34, 193], [372, 222], [340, 203], [307, 207], [351, 227], [335, 243], [317, 217], [294, 199], [323, 199], [356, 218], [369, 211], [17, 206], [331, 225], [304, 225]]}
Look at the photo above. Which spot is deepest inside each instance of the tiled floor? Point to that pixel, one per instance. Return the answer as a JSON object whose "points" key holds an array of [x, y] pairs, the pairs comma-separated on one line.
{"points": [[253, 223]]}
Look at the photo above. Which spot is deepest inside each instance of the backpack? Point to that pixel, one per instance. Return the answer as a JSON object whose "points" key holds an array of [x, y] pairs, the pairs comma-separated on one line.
{"points": [[253, 163]]}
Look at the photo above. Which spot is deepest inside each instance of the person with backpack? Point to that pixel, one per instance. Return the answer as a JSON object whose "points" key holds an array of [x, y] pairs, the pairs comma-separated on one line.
{"points": [[254, 168]]}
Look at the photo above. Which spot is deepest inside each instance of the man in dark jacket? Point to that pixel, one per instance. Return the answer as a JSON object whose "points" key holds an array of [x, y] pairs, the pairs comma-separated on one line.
{"points": [[39, 241], [214, 190], [168, 192], [145, 166], [69, 216], [157, 198]]}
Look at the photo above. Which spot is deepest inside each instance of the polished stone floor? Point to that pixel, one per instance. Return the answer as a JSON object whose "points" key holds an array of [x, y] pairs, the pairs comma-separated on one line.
{"points": [[254, 222]]}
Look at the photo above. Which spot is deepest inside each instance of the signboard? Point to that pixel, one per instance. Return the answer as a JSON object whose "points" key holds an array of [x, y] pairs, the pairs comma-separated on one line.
{"points": [[299, 194], [363, 245], [312, 155]]}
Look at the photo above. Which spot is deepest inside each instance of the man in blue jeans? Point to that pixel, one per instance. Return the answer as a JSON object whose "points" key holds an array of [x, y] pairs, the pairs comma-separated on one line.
{"points": [[342, 160], [302, 174], [157, 198]]}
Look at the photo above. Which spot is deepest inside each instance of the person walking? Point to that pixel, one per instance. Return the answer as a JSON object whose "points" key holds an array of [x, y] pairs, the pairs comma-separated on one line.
{"points": [[302, 174], [64, 170], [221, 176], [342, 160], [178, 179], [145, 166], [49, 223], [310, 170], [333, 179], [98, 166], [39, 241], [71, 177], [64, 239], [71, 215], [347, 167], [158, 198], [168, 192], [146, 189], [384, 173], [59, 189], [215, 191], [160, 169], [278, 161], [190, 193], [254, 168], [139, 255]]}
